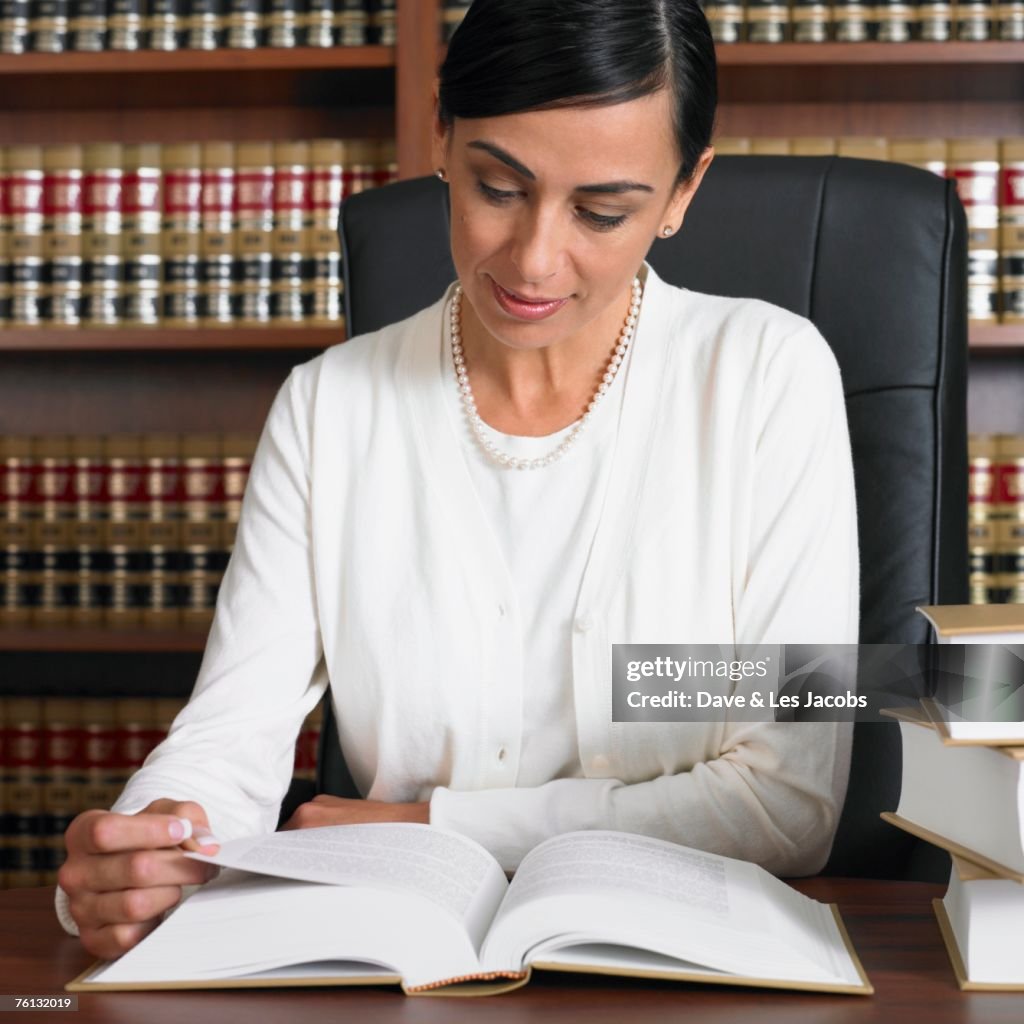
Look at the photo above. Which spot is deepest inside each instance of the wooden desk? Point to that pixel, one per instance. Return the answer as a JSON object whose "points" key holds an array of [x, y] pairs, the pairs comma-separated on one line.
{"points": [[891, 924]]}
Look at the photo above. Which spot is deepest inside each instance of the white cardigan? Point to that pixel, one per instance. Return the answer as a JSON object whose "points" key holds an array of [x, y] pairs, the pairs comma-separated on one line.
{"points": [[363, 556]]}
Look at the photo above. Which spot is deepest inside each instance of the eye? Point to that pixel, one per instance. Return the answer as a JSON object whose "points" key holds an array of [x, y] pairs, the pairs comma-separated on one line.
{"points": [[601, 221], [495, 195]]}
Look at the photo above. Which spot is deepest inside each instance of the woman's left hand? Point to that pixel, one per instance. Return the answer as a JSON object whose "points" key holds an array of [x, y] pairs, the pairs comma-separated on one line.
{"points": [[335, 810]]}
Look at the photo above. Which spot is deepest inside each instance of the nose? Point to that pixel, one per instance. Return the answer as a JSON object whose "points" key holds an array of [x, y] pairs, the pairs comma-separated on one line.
{"points": [[538, 245]]}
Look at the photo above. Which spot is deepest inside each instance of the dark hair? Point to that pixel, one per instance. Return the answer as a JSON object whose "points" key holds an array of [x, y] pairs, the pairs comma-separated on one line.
{"points": [[510, 56]]}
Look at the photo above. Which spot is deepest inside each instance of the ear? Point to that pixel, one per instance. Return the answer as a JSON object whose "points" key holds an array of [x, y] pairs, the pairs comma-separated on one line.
{"points": [[684, 194], [440, 135]]}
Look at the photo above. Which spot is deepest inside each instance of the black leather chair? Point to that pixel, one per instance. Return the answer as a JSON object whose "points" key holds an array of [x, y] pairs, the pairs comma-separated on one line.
{"points": [[875, 255]]}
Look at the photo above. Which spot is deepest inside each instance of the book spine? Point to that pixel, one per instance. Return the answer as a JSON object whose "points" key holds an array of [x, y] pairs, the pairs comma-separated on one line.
{"points": [[201, 531], [935, 18], [382, 18], [101, 757], [285, 23], [896, 21], [23, 791], [245, 24], [291, 222], [5, 242], [1010, 21], [104, 175], [16, 481], [89, 531], [128, 580], [974, 166], [452, 13], [62, 234], [182, 194], [88, 26], [321, 27], [143, 213], [1011, 231], [361, 157], [63, 785], [852, 21], [237, 454], [167, 27], [218, 233], [326, 189], [812, 21], [15, 20], [1009, 472], [351, 23], [254, 217], [974, 20], [385, 170], [767, 21], [25, 184], [134, 718], [49, 26], [1011, 543], [206, 25], [52, 529], [162, 529], [127, 28]]}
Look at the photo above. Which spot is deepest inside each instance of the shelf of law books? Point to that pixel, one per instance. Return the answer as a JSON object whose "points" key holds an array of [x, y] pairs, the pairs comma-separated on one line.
{"points": [[996, 518], [194, 235], [62, 755]]}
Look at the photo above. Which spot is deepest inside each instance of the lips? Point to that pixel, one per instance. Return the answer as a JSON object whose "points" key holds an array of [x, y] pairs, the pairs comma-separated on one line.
{"points": [[523, 308]]}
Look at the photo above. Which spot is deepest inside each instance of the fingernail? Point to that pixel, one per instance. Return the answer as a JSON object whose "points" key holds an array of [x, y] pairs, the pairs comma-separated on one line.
{"points": [[180, 828], [206, 839]]}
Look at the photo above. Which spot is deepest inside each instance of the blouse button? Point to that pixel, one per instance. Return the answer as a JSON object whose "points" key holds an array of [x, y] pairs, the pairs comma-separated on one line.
{"points": [[501, 753], [584, 624]]}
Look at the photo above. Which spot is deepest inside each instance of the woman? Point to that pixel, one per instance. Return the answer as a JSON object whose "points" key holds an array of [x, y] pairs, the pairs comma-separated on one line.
{"points": [[454, 518]]}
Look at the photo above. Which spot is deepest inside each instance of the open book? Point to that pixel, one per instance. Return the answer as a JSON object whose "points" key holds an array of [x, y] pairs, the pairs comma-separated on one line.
{"points": [[426, 908]]}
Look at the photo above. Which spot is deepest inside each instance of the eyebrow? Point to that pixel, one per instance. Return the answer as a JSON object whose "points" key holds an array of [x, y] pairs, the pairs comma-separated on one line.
{"points": [[604, 188]]}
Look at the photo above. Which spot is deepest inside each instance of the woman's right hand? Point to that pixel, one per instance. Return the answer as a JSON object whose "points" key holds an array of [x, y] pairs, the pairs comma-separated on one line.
{"points": [[124, 870]]}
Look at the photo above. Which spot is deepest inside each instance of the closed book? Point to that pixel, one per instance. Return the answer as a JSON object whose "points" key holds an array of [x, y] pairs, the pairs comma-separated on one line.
{"points": [[973, 20], [245, 24], [127, 24], [326, 190], [383, 28], [25, 184], [254, 219], [63, 755], [15, 18], [201, 528], [102, 755], [1011, 229], [981, 918], [812, 21], [134, 717], [17, 507], [1010, 558], [1009, 18], [583, 902], [360, 166], [974, 166], [63, 204], [162, 530], [726, 20], [852, 21], [104, 177], [52, 530], [321, 26], [291, 221], [352, 23], [89, 26], [896, 21], [88, 530], [935, 21], [128, 577], [167, 25], [182, 237], [386, 169], [48, 25], [1008, 499], [237, 452], [767, 21], [142, 234], [217, 243], [24, 775], [206, 24], [5, 244], [285, 23]]}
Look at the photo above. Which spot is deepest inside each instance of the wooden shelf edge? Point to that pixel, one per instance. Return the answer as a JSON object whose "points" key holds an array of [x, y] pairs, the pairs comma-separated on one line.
{"points": [[77, 640], [159, 62], [996, 337], [868, 54], [163, 339]]}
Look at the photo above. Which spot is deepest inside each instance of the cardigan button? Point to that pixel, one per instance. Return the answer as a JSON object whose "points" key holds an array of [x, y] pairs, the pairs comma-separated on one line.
{"points": [[584, 624]]}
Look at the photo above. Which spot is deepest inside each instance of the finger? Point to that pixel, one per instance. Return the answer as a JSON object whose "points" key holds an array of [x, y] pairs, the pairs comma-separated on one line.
{"points": [[136, 869], [199, 838], [110, 941], [108, 832], [129, 906]]}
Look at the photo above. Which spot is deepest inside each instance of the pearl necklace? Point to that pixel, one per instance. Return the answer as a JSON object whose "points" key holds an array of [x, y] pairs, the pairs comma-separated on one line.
{"points": [[476, 424]]}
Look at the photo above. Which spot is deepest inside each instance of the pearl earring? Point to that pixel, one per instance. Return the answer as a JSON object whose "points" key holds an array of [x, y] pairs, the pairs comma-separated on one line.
{"points": [[440, 173], [667, 230]]}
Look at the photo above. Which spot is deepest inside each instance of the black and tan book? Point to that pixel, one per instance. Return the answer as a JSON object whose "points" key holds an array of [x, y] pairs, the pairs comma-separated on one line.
{"points": [[962, 798], [360, 165], [320, 23], [63, 756], [143, 214], [974, 165], [237, 452], [1011, 225], [88, 530], [17, 507], [23, 788], [1010, 549], [973, 20], [52, 530], [15, 18], [101, 233], [291, 223], [935, 18], [182, 238], [767, 21], [725, 18], [167, 27], [127, 24], [89, 26], [383, 27], [101, 754], [134, 717], [201, 528], [852, 21], [812, 21], [1008, 500], [5, 243], [63, 197], [206, 24], [254, 267], [324, 303], [285, 23], [896, 21], [217, 245], [981, 918], [25, 179], [424, 908], [128, 579], [244, 25], [1010, 20], [48, 25], [161, 531], [351, 23]]}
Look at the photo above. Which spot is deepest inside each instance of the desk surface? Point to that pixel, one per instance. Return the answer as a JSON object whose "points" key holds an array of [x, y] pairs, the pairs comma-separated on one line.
{"points": [[891, 924]]}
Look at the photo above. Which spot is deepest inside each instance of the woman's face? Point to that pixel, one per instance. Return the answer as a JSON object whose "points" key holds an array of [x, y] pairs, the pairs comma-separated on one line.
{"points": [[553, 212]]}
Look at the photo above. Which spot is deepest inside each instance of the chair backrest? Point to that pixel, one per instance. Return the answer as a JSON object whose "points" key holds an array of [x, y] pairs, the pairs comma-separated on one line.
{"points": [[875, 255]]}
